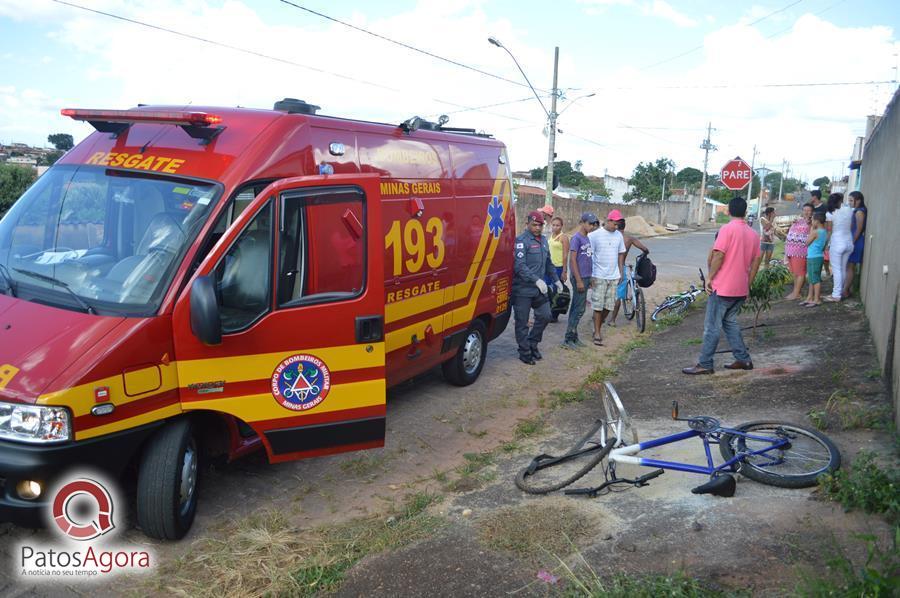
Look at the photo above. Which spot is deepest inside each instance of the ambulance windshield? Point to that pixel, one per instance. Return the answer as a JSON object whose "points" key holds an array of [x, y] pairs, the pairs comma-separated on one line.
{"points": [[100, 240]]}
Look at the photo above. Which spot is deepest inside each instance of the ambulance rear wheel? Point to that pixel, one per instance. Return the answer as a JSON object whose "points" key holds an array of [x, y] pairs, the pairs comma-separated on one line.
{"points": [[465, 367], [167, 482]]}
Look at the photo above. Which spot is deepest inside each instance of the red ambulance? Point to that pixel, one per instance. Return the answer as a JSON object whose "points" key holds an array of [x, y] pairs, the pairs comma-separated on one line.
{"points": [[197, 282]]}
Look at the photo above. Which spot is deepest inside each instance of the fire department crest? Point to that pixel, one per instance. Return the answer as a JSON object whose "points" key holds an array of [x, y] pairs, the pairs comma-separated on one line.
{"points": [[301, 382]]}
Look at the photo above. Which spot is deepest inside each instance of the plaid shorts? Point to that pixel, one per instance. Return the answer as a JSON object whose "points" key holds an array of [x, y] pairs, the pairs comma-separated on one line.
{"points": [[603, 294]]}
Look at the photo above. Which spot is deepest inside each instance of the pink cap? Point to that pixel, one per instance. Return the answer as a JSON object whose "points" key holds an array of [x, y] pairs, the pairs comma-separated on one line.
{"points": [[615, 215], [548, 210]]}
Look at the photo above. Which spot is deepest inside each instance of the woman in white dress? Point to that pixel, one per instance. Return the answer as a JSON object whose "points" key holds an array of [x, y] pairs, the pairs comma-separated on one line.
{"points": [[840, 221]]}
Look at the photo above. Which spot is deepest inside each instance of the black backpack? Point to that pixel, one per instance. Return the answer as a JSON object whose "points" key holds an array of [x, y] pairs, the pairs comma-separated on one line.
{"points": [[645, 272]]}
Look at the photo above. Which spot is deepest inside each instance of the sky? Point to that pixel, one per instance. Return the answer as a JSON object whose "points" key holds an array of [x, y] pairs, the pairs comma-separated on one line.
{"points": [[659, 70]]}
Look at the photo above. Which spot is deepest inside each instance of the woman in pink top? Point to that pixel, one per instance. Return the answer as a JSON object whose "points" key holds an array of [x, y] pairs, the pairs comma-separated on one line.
{"points": [[795, 249]]}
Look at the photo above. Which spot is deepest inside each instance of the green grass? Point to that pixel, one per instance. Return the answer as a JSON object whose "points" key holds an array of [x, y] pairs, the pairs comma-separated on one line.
{"points": [[845, 411], [265, 555], [601, 375], [873, 374], [667, 321], [534, 530], [526, 428], [866, 487], [722, 218], [878, 576], [692, 341], [585, 582]]}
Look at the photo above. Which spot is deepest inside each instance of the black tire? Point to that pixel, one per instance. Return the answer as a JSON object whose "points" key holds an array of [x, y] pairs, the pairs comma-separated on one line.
{"points": [[526, 482], [462, 369], [640, 309], [800, 468], [676, 306], [164, 472], [628, 304]]}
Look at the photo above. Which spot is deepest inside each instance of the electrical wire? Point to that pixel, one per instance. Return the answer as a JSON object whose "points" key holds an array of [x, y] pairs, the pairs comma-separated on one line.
{"points": [[270, 57], [403, 44], [700, 47]]}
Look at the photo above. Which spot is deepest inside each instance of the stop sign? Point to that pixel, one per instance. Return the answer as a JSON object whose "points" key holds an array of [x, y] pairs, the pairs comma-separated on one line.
{"points": [[736, 174]]}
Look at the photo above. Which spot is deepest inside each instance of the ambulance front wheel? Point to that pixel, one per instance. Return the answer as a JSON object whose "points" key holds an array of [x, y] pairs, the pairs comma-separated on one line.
{"points": [[465, 367], [167, 482]]}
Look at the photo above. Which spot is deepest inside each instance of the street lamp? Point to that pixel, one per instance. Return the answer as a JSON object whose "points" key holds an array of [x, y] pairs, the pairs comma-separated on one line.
{"points": [[572, 103], [551, 115]]}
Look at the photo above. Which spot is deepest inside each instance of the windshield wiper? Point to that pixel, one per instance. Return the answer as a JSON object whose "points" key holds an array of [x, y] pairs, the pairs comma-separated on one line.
{"points": [[9, 283], [58, 283]]}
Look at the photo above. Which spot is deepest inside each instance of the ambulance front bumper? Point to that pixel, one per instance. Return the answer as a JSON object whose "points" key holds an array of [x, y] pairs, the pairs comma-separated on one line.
{"points": [[45, 464]]}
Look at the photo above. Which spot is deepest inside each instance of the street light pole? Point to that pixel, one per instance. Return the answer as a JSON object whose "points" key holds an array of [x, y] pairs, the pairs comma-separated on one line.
{"points": [[551, 152], [551, 115]]}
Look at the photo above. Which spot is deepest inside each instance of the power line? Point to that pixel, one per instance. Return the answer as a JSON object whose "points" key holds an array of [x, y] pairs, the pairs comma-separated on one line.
{"points": [[402, 44], [267, 56], [700, 47], [742, 86]]}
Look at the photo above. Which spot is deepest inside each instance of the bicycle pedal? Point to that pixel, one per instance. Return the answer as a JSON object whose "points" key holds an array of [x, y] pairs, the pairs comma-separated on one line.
{"points": [[721, 485]]}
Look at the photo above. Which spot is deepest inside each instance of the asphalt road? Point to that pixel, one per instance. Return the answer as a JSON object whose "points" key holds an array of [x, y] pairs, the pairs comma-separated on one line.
{"points": [[679, 256]]}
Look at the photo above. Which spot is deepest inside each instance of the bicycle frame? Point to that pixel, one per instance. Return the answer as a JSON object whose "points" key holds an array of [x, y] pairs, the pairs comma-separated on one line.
{"points": [[627, 454]]}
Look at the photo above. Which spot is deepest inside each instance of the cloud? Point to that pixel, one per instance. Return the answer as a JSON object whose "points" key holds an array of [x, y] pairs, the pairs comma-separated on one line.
{"points": [[664, 10], [131, 64]]}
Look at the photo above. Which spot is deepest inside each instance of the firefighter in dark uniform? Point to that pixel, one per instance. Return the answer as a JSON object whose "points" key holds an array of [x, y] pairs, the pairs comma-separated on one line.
{"points": [[529, 291]]}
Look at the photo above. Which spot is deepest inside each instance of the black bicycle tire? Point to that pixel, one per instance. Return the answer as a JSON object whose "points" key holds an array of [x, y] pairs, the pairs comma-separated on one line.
{"points": [[774, 479], [640, 309], [522, 476], [671, 305], [625, 312]]}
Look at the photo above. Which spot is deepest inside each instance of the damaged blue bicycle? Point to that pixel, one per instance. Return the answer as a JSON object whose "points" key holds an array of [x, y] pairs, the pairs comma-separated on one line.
{"points": [[774, 453]]}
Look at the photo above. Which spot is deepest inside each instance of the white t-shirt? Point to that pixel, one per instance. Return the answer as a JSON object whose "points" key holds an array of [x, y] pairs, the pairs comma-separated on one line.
{"points": [[841, 221], [605, 248]]}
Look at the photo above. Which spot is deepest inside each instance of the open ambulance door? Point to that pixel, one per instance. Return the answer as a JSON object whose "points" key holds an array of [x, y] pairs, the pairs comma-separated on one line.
{"points": [[283, 325]]}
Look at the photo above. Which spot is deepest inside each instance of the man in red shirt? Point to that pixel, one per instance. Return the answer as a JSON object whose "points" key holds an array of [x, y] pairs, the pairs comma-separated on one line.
{"points": [[733, 264]]}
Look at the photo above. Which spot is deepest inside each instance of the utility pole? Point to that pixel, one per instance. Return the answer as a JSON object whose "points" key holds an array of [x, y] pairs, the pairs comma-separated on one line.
{"points": [[781, 183], [551, 152], [706, 146], [752, 172]]}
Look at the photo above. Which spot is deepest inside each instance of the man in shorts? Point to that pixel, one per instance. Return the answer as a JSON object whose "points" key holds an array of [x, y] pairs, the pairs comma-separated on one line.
{"points": [[608, 264]]}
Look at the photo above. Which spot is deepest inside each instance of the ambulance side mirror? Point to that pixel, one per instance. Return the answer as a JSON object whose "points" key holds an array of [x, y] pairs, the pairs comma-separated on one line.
{"points": [[205, 322]]}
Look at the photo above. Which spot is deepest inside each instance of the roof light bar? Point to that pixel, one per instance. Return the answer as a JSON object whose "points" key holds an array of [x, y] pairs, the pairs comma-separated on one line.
{"points": [[198, 125]]}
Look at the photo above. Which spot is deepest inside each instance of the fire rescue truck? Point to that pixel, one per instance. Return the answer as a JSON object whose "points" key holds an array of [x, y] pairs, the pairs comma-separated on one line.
{"points": [[204, 282]]}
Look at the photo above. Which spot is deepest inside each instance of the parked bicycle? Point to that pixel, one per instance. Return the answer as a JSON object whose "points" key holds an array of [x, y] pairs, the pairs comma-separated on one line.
{"points": [[774, 453], [634, 306], [678, 304]]}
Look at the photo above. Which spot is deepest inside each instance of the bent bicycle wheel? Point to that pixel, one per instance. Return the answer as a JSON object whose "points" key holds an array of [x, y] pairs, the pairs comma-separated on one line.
{"points": [[808, 454], [543, 475], [628, 305], [618, 421], [676, 306], [640, 309]]}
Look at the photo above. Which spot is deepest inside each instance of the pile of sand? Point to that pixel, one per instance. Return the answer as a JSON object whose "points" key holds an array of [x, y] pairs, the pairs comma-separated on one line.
{"points": [[636, 225]]}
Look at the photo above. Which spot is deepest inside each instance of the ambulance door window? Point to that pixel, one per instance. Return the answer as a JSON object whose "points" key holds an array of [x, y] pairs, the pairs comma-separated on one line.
{"points": [[242, 277], [322, 246]]}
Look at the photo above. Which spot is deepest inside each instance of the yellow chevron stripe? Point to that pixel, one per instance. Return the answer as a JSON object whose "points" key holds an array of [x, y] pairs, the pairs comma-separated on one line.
{"points": [[261, 407]]}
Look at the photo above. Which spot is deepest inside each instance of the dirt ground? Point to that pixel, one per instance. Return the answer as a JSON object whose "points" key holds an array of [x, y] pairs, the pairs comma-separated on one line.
{"points": [[801, 357]]}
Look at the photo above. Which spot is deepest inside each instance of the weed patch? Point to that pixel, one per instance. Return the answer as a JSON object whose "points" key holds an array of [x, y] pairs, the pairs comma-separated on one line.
{"points": [[264, 555], [865, 486], [843, 411], [667, 321], [531, 531], [878, 576], [526, 428], [873, 374], [692, 341]]}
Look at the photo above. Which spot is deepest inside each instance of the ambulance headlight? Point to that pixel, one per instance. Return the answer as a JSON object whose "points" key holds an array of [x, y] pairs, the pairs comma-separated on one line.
{"points": [[34, 423]]}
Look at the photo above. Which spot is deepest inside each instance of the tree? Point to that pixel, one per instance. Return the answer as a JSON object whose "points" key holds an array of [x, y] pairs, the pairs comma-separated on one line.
{"points": [[50, 158], [823, 183], [689, 176], [767, 287], [647, 179], [14, 180], [568, 175], [61, 141]]}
